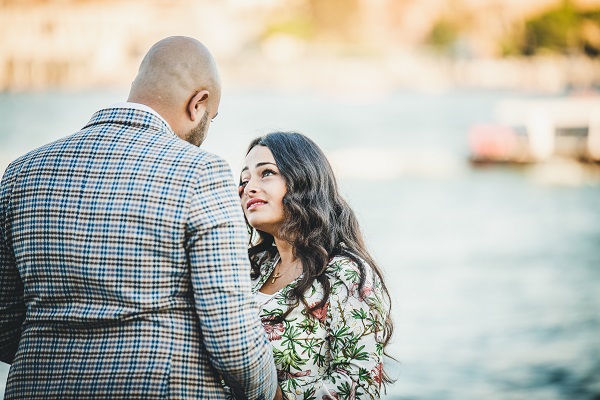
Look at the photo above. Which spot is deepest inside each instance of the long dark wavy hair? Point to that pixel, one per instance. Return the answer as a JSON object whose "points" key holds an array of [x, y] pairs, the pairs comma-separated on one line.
{"points": [[318, 223]]}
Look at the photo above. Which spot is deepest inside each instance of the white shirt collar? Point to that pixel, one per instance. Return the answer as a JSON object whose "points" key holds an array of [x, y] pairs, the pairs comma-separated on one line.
{"points": [[142, 107]]}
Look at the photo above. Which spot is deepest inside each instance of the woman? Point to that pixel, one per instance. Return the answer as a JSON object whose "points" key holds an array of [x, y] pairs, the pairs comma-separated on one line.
{"points": [[322, 299]]}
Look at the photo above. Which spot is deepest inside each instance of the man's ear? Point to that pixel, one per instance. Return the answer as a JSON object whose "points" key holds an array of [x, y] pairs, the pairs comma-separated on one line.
{"points": [[197, 103]]}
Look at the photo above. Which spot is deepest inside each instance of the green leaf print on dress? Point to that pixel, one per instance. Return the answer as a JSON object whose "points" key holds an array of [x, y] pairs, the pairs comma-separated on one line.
{"points": [[334, 351]]}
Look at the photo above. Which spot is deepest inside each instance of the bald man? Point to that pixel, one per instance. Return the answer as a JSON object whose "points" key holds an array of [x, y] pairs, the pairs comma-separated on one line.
{"points": [[123, 258]]}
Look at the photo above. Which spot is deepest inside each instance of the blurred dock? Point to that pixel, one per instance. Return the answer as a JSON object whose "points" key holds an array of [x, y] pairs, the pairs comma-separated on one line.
{"points": [[537, 130]]}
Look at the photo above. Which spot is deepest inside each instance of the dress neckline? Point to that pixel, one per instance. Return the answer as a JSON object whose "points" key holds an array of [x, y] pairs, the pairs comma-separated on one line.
{"points": [[264, 276]]}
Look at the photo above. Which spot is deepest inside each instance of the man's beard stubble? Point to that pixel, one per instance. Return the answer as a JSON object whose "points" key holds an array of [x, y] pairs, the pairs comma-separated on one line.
{"points": [[197, 135]]}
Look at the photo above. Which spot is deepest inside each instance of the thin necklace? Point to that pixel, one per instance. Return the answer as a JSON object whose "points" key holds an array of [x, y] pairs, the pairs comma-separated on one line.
{"points": [[276, 274]]}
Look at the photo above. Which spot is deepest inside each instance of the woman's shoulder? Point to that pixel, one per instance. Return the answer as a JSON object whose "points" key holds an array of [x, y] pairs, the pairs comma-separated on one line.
{"points": [[348, 270], [340, 264]]}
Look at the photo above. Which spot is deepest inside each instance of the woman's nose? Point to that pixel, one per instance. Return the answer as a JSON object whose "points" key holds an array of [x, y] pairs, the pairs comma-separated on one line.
{"points": [[250, 187]]}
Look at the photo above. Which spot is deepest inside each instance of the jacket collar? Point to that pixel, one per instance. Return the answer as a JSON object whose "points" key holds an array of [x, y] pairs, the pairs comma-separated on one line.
{"points": [[133, 116]]}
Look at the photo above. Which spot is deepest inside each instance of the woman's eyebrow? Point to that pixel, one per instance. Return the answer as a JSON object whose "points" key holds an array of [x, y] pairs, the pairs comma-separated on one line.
{"points": [[260, 164]]}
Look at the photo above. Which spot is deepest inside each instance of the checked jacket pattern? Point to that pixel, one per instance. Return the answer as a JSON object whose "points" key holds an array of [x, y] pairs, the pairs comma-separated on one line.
{"points": [[335, 352], [124, 270]]}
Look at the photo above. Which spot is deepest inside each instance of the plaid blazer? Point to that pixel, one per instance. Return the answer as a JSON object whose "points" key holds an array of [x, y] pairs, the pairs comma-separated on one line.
{"points": [[124, 271]]}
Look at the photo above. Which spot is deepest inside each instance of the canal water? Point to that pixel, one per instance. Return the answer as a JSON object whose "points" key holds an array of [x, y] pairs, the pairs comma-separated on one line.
{"points": [[494, 271]]}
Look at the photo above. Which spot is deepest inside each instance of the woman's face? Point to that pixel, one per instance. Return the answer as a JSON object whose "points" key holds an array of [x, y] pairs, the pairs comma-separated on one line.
{"points": [[261, 190]]}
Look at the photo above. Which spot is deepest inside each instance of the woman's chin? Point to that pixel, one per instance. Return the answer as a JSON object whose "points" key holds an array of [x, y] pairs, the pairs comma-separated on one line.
{"points": [[266, 228]]}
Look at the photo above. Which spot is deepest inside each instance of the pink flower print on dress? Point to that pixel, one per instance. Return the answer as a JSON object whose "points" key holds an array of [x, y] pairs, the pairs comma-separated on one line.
{"points": [[377, 373], [285, 375], [274, 331], [366, 291], [320, 313], [334, 396]]}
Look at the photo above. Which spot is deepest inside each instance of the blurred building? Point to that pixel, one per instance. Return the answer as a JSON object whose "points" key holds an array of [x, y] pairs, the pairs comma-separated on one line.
{"points": [[90, 43]]}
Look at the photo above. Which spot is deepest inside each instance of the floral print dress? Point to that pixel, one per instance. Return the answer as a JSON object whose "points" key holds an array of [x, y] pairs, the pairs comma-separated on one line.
{"points": [[336, 351]]}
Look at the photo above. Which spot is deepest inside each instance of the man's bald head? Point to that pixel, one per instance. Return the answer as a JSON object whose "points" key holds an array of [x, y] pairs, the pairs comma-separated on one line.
{"points": [[176, 71]]}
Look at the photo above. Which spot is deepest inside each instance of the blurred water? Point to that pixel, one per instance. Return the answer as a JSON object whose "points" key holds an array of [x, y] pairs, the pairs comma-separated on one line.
{"points": [[495, 272]]}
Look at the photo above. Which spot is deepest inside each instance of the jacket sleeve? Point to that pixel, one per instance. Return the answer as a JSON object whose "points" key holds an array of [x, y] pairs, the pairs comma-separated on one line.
{"points": [[217, 252], [12, 306]]}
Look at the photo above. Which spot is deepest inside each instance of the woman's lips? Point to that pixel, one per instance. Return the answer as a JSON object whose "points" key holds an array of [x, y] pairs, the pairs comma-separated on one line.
{"points": [[254, 203]]}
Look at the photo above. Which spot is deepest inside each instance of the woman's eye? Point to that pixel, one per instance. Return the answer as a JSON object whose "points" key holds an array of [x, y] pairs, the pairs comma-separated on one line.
{"points": [[243, 184], [268, 172]]}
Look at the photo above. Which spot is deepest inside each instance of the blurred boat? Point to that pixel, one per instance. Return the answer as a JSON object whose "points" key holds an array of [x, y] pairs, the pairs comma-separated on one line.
{"points": [[535, 130]]}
